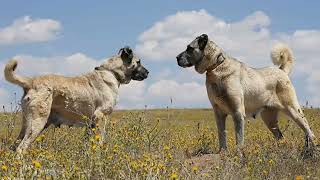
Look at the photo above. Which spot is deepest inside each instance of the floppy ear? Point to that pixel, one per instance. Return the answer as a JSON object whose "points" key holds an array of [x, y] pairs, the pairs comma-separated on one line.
{"points": [[202, 41], [126, 54]]}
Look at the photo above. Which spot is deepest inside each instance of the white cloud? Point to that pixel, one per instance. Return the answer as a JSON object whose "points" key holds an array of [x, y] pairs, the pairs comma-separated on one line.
{"points": [[67, 65], [182, 94], [305, 45], [167, 38], [160, 93], [132, 94], [26, 29], [248, 40]]}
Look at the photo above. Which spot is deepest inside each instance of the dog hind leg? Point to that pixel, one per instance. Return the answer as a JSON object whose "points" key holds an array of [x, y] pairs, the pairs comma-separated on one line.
{"points": [[21, 134], [270, 118], [36, 107], [296, 114]]}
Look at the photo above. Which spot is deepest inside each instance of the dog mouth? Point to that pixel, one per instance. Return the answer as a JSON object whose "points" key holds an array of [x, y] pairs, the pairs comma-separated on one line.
{"points": [[140, 76], [182, 61], [184, 64]]}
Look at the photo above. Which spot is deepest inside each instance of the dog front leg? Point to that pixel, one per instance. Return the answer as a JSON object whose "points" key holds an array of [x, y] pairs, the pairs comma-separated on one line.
{"points": [[238, 119], [100, 118], [221, 125]]}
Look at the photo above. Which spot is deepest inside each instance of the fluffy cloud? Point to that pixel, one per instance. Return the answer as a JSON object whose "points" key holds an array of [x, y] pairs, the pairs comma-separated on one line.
{"points": [[182, 94], [26, 29], [132, 95], [68, 65], [161, 93], [248, 39]]}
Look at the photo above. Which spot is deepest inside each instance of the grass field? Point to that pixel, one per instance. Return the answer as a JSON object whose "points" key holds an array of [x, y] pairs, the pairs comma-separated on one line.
{"points": [[159, 144]]}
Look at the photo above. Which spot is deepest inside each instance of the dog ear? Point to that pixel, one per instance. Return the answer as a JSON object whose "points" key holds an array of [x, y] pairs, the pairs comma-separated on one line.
{"points": [[98, 68], [126, 54], [202, 41]]}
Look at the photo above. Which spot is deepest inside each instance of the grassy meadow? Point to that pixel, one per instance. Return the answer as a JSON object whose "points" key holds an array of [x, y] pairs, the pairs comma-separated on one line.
{"points": [[159, 144]]}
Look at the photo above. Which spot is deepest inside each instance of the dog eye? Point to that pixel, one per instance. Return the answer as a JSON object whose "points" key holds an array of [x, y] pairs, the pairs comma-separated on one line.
{"points": [[189, 48]]}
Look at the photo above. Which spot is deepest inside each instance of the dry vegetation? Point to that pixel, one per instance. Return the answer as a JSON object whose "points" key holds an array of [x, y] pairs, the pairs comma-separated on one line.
{"points": [[158, 144]]}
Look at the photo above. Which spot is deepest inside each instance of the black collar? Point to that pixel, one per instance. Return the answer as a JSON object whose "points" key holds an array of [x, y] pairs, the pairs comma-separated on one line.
{"points": [[214, 66], [116, 75]]}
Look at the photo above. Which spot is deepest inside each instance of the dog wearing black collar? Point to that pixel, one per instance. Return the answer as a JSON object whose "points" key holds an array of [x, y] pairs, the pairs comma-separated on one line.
{"points": [[238, 90], [79, 100]]}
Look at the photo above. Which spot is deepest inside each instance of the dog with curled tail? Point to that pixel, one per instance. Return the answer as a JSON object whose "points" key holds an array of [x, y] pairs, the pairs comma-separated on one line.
{"points": [[56, 99], [236, 89]]}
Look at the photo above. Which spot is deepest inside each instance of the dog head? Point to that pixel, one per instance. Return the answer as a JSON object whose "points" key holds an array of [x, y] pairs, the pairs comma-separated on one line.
{"points": [[201, 53], [125, 66]]}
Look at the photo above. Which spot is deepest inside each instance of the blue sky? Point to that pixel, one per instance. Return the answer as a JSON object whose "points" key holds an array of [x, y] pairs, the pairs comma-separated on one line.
{"points": [[93, 31]]}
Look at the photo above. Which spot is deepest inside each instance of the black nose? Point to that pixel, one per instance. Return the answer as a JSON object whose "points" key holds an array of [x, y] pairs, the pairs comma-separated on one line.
{"points": [[178, 57]]}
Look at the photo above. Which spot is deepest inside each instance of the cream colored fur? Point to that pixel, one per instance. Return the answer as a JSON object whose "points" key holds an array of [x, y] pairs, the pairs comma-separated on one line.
{"points": [[56, 99], [282, 56], [241, 91]]}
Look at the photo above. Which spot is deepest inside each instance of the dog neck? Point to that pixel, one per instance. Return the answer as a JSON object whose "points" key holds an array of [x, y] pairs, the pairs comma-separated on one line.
{"points": [[117, 76], [213, 57], [218, 60], [109, 77]]}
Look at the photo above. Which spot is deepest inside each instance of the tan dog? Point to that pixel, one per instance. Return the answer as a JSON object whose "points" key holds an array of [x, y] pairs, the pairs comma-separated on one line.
{"points": [[55, 99], [239, 90]]}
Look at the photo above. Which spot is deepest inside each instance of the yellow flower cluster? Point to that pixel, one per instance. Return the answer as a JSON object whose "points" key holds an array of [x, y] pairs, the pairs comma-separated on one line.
{"points": [[157, 144]]}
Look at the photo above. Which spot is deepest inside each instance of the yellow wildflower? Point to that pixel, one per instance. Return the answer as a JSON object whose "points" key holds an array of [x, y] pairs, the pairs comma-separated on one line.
{"points": [[174, 176], [36, 164], [299, 177], [115, 149], [98, 137], [40, 138], [166, 148], [94, 147], [195, 169], [4, 168], [271, 162]]}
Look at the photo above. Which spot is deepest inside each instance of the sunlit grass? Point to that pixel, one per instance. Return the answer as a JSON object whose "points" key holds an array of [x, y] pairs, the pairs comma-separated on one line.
{"points": [[159, 144]]}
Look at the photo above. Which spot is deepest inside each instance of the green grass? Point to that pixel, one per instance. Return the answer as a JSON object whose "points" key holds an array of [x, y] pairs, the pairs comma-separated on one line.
{"points": [[159, 144]]}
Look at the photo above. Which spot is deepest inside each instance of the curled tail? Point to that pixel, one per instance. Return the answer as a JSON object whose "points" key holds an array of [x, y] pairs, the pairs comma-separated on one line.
{"points": [[282, 56], [10, 75]]}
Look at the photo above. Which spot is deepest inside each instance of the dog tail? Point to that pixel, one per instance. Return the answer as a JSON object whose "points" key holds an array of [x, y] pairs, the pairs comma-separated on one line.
{"points": [[10, 75], [282, 56]]}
